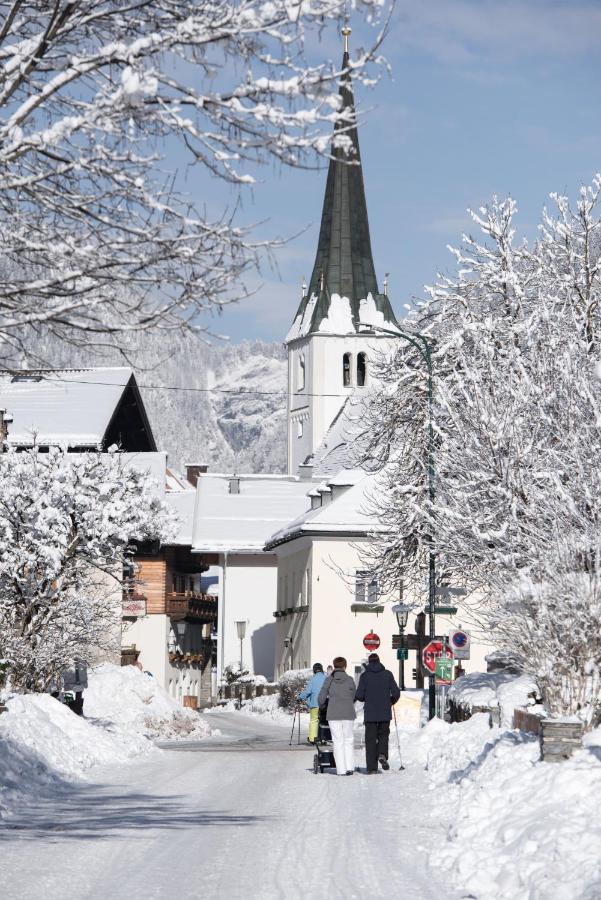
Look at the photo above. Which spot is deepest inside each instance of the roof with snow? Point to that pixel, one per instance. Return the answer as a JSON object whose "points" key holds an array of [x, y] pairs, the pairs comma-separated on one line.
{"points": [[182, 503], [76, 408], [349, 513], [225, 521], [343, 290]]}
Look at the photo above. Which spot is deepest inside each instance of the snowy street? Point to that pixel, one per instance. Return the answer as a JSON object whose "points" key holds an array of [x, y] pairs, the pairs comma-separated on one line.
{"points": [[236, 816]]}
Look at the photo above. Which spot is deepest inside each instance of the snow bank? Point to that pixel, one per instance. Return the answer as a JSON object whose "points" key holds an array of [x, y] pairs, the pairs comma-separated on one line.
{"points": [[491, 689], [517, 827], [262, 707], [127, 701], [45, 747]]}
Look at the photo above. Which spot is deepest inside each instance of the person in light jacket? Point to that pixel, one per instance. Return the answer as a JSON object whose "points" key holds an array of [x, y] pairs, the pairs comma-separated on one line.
{"points": [[378, 690], [338, 690], [310, 695]]}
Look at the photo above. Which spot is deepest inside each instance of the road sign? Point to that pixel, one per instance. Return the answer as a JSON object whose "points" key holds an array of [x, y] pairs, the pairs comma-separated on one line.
{"points": [[371, 641], [445, 592], [459, 641], [431, 652], [444, 669], [410, 641], [402, 653], [442, 610]]}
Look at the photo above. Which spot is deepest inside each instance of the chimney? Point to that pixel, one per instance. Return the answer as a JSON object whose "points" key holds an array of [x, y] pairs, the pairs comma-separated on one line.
{"points": [[193, 471]]}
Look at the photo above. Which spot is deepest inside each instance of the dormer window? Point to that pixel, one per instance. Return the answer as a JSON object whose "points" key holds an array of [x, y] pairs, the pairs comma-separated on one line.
{"points": [[361, 369], [346, 370]]}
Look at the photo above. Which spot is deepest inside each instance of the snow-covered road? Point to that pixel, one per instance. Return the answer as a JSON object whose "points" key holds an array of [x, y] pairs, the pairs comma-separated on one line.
{"points": [[238, 816]]}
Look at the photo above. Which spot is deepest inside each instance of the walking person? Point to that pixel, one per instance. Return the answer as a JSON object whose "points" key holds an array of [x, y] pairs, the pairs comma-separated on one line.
{"points": [[310, 695], [338, 690], [378, 691]]}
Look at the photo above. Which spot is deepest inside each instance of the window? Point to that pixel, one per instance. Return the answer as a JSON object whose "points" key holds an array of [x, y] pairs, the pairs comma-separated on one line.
{"points": [[299, 429], [346, 370], [301, 373], [361, 369], [366, 587]]}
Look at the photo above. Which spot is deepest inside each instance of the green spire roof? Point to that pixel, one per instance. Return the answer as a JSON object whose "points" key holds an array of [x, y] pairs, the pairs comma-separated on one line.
{"points": [[344, 263]]}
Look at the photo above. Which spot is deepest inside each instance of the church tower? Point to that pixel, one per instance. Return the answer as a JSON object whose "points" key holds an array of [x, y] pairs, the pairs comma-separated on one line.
{"points": [[329, 350]]}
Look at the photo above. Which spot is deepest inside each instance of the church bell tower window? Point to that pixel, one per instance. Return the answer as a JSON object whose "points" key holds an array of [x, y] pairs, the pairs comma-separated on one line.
{"points": [[346, 370], [361, 369], [301, 373]]}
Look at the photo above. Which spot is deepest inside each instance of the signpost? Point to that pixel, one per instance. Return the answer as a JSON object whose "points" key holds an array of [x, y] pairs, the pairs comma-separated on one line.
{"points": [[459, 641], [371, 642], [431, 652]]}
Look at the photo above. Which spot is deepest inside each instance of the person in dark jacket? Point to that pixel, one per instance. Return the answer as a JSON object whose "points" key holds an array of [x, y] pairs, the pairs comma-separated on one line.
{"points": [[378, 691]]}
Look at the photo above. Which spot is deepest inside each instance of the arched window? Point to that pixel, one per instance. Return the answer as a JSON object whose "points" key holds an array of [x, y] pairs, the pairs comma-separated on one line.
{"points": [[301, 373], [361, 369], [346, 370]]}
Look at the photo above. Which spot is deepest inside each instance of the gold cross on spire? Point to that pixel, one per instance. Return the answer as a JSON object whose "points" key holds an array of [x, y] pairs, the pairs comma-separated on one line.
{"points": [[346, 32]]}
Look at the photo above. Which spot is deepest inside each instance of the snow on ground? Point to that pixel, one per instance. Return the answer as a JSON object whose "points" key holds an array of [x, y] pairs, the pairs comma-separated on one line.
{"points": [[492, 689], [44, 746], [126, 700], [263, 707], [518, 828]]}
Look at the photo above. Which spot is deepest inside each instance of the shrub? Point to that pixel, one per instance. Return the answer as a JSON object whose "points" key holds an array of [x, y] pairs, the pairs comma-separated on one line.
{"points": [[290, 684]]}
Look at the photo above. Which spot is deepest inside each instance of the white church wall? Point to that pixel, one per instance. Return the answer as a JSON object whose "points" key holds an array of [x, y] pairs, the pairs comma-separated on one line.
{"points": [[294, 589], [313, 408]]}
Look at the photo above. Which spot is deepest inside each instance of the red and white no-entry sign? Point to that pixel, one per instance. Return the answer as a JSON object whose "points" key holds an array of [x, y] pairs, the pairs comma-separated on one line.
{"points": [[431, 652], [371, 641]]}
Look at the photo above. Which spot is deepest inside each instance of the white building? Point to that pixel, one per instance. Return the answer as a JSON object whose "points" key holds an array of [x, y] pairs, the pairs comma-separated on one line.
{"points": [[234, 515]]}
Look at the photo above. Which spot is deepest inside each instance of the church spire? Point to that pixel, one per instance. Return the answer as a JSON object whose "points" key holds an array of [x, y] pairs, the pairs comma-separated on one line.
{"points": [[344, 262]]}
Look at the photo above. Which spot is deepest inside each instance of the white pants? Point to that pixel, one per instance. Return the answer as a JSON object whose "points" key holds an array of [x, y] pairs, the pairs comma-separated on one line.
{"points": [[343, 740]]}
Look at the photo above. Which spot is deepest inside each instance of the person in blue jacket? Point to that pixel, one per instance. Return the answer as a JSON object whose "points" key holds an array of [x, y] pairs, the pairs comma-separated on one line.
{"points": [[310, 695]]}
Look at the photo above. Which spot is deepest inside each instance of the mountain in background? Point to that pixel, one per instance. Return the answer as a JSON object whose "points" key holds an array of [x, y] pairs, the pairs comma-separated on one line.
{"points": [[199, 398]]}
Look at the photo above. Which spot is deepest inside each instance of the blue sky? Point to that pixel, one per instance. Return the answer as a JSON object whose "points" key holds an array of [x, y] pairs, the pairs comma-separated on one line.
{"points": [[484, 97]]}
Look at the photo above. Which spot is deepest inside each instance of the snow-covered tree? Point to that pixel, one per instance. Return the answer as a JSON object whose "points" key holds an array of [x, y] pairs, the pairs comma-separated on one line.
{"points": [[66, 526], [517, 427], [93, 95]]}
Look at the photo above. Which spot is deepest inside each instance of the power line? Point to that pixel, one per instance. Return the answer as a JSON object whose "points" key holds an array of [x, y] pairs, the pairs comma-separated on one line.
{"points": [[243, 392]]}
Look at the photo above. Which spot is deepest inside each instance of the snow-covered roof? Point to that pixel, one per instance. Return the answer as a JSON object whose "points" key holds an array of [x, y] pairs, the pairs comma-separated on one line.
{"points": [[242, 522], [349, 513], [183, 503], [70, 407], [152, 463]]}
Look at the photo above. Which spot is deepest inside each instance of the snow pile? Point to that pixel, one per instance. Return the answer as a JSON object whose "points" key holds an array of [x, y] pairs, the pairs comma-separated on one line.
{"points": [[125, 700], [44, 744], [488, 690], [518, 827], [262, 707]]}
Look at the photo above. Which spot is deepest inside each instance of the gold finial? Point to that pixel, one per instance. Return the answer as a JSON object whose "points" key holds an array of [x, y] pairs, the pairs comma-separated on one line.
{"points": [[346, 32]]}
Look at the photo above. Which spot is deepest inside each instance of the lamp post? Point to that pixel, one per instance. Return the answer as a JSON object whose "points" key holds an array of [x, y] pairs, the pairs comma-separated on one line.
{"points": [[402, 614], [241, 629], [288, 642], [424, 347]]}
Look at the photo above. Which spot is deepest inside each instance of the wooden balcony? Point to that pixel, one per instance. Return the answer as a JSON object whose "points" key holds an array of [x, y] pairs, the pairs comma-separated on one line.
{"points": [[191, 606]]}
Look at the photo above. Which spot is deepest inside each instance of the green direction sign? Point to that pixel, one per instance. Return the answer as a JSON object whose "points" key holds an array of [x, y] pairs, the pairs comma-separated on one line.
{"points": [[402, 653], [444, 670]]}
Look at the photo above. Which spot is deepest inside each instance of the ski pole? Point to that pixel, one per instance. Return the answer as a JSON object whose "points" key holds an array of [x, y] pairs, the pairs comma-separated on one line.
{"points": [[293, 724], [398, 740]]}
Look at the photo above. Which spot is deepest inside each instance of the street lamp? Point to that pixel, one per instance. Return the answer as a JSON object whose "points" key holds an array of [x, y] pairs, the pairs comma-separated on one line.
{"points": [[401, 612], [424, 347], [241, 629]]}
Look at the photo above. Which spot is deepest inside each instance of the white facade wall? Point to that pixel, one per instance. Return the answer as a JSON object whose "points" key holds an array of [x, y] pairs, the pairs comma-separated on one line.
{"points": [[330, 628], [153, 635], [314, 404], [247, 592]]}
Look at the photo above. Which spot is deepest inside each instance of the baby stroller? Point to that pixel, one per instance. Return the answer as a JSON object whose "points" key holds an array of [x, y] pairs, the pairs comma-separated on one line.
{"points": [[324, 758]]}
